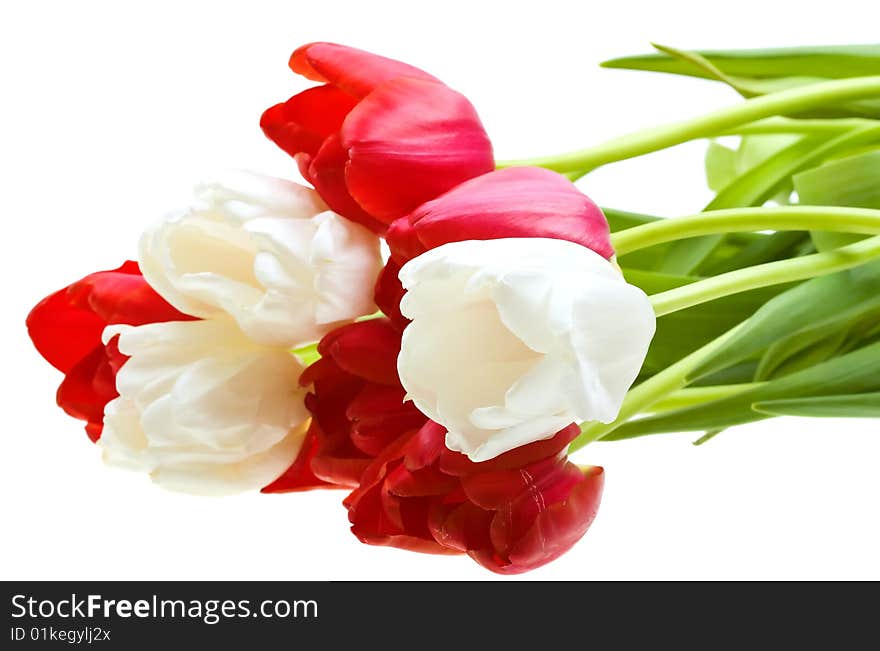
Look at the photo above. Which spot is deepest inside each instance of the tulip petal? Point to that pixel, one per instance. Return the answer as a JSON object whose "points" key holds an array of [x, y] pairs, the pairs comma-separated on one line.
{"points": [[354, 71], [409, 141], [518, 202], [302, 123], [367, 349], [326, 171], [88, 386]]}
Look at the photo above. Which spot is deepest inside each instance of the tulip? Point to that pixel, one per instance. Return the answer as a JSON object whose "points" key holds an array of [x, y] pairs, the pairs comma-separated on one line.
{"points": [[512, 202], [379, 137], [66, 328], [266, 252], [512, 514], [514, 338], [357, 406], [202, 408]]}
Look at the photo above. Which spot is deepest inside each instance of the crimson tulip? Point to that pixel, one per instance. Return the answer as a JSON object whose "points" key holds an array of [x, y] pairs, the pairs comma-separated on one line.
{"points": [[357, 406], [511, 514], [66, 329], [379, 137]]}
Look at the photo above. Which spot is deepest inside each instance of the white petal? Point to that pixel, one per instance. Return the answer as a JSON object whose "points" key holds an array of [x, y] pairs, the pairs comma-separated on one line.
{"points": [[202, 408], [511, 340], [267, 253]]}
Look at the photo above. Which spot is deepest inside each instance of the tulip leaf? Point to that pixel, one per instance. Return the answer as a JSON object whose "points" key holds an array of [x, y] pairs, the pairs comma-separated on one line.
{"points": [[834, 298], [831, 61], [759, 72], [853, 373], [680, 333], [770, 247], [852, 181], [859, 405]]}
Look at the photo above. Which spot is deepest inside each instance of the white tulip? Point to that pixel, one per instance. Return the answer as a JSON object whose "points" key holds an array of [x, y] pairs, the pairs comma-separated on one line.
{"points": [[202, 408], [267, 252], [513, 339]]}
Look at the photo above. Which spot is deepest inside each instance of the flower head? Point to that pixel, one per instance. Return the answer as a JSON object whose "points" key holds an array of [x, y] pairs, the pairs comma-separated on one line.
{"points": [[379, 137], [512, 339], [267, 252], [202, 408], [512, 514]]}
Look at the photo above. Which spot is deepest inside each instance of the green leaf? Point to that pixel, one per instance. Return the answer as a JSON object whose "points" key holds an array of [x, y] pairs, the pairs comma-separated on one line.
{"points": [[770, 247], [803, 348], [680, 333], [802, 307], [759, 72], [720, 165], [860, 405], [852, 181], [833, 62], [855, 372], [619, 220], [766, 163]]}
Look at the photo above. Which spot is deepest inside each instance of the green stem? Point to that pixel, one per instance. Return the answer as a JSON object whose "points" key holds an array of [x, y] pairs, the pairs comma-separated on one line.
{"points": [[651, 391], [796, 218], [764, 275], [654, 139], [820, 126], [699, 395]]}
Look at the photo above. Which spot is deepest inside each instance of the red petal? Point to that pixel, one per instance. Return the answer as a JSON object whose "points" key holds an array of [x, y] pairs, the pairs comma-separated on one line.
{"points": [[514, 202], [378, 415], [460, 525], [555, 530], [355, 71], [119, 297], [299, 477], [61, 333], [302, 123], [404, 242], [326, 171], [367, 349], [409, 141], [389, 292], [87, 388], [456, 463]]}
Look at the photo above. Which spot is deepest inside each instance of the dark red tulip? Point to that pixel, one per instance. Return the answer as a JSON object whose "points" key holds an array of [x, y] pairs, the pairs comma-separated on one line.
{"points": [[379, 137], [66, 328], [357, 407], [511, 514]]}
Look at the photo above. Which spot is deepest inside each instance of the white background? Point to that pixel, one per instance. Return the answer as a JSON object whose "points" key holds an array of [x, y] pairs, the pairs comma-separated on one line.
{"points": [[111, 110]]}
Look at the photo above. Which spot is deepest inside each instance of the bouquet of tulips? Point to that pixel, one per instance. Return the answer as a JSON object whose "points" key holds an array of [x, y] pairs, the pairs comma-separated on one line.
{"points": [[436, 332]]}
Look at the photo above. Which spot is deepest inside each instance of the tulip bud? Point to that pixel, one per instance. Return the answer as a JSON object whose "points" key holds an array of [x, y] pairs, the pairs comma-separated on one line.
{"points": [[361, 139], [266, 252], [357, 406], [202, 408], [514, 338], [511, 514]]}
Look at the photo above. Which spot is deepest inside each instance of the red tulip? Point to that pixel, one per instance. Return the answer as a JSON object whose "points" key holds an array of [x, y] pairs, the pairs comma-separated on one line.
{"points": [[66, 329], [511, 514], [356, 404], [513, 202], [379, 137]]}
